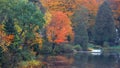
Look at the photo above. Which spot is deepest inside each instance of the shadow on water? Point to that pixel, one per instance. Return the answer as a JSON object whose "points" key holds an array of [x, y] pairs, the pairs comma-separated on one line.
{"points": [[96, 61], [84, 60]]}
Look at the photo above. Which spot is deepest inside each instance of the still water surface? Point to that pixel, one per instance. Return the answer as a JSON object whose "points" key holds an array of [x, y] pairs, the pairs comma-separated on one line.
{"points": [[84, 60]]}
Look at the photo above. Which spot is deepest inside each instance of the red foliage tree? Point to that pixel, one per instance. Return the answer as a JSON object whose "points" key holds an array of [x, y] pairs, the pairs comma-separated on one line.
{"points": [[59, 30]]}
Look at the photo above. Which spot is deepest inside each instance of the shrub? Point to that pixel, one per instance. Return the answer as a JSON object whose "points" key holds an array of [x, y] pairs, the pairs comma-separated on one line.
{"points": [[77, 47], [30, 64], [46, 49], [67, 48]]}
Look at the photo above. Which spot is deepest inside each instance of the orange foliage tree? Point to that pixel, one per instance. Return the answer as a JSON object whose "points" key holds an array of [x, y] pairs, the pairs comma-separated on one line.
{"points": [[59, 29], [91, 5], [66, 6], [115, 4], [69, 6]]}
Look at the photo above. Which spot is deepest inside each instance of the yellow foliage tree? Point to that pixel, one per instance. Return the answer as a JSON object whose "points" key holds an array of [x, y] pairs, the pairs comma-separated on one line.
{"points": [[38, 39], [47, 17]]}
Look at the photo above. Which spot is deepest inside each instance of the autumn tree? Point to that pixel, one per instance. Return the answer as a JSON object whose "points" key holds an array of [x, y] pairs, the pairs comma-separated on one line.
{"points": [[30, 19], [26, 15], [115, 4], [104, 26], [23, 19], [8, 29], [65, 6], [69, 6], [59, 29], [79, 20]]}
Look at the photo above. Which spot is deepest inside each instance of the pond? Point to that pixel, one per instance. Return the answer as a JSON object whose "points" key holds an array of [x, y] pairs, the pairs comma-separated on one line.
{"points": [[84, 60]]}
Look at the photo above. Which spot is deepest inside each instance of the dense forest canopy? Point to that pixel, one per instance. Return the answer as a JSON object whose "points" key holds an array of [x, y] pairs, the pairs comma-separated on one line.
{"points": [[30, 28]]}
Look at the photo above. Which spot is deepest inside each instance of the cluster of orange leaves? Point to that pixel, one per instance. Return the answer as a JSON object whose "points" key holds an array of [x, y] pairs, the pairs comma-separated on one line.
{"points": [[115, 4], [66, 6], [59, 28], [5, 40], [69, 6], [8, 39]]}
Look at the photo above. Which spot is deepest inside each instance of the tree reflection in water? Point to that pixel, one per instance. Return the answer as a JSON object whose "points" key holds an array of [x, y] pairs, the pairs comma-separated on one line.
{"points": [[84, 60], [97, 61], [59, 61]]}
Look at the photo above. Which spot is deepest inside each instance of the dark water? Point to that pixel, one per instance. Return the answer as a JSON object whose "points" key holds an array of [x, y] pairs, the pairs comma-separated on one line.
{"points": [[85, 60], [96, 61]]}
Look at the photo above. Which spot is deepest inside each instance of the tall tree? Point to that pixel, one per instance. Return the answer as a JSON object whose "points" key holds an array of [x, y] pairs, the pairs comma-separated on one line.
{"points": [[104, 26], [79, 20], [29, 17], [24, 15], [59, 28]]}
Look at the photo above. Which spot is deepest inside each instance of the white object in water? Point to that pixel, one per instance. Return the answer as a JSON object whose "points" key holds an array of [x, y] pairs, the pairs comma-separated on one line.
{"points": [[96, 52]]}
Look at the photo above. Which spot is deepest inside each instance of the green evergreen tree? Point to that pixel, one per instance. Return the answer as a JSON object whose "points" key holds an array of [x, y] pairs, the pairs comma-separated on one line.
{"points": [[79, 25], [9, 26], [104, 26], [39, 4]]}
